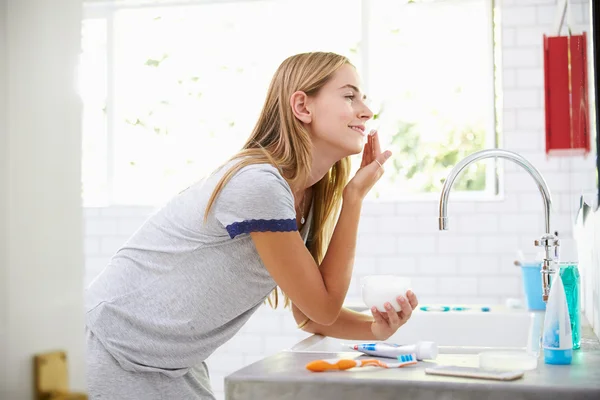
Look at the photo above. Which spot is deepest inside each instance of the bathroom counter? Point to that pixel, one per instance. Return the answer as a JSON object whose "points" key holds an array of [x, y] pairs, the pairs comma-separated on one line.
{"points": [[283, 376]]}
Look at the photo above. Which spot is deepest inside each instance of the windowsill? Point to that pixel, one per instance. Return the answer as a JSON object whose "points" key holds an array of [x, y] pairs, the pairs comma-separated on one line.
{"points": [[435, 197]]}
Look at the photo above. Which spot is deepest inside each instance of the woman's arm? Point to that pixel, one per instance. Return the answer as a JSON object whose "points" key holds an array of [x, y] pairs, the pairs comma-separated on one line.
{"points": [[318, 291], [349, 325], [358, 326]]}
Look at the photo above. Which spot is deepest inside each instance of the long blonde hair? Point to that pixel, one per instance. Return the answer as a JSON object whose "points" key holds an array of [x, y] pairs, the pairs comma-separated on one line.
{"points": [[280, 139]]}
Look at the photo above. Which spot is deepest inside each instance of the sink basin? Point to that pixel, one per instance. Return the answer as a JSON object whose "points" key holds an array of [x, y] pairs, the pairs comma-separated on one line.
{"points": [[455, 332]]}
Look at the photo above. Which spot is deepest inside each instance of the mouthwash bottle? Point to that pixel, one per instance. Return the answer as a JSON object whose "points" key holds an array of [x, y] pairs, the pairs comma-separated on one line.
{"points": [[569, 274]]}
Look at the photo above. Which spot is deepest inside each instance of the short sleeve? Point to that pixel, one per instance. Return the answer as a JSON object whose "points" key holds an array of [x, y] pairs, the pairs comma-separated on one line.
{"points": [[256, 198]]}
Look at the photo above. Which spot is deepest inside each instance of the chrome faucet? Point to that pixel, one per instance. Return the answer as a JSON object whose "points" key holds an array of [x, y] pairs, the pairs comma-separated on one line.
{"points": [[548, 240]]}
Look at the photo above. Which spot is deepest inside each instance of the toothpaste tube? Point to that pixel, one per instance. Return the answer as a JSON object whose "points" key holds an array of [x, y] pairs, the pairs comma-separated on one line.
{"points": [[423, 350]]}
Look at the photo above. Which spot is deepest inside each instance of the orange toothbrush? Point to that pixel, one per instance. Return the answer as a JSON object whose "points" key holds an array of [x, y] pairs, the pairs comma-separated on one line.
{"points": [[340, 364]]}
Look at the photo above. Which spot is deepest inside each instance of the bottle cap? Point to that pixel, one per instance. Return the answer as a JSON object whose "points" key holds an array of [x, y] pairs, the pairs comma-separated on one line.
{"points": [[427, 350]]}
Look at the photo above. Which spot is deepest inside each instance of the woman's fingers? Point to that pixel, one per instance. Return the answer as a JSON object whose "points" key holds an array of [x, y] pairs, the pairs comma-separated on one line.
{"points": [[364, 155], [371, 169], [376, 144], [372, 153], [377, 316], [392, 315], [370, 141], [380, 160], [376, 158], [367, 152], [407, 309], [412, 299]]}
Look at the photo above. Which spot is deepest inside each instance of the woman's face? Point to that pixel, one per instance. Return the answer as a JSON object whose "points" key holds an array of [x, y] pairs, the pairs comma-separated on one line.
{"points": [[338, 114]]}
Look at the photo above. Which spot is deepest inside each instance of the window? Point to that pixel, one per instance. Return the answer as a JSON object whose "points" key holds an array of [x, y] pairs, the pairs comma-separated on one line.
{"points": [[171, 89], [431, 66]]}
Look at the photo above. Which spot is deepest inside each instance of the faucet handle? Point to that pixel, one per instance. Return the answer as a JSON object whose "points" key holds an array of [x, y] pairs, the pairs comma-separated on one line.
{"points": [[547, 240]]}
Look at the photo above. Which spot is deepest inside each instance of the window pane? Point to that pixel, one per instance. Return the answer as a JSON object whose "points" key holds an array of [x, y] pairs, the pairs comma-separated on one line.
{"points": [[190, 82], [431, 75]]}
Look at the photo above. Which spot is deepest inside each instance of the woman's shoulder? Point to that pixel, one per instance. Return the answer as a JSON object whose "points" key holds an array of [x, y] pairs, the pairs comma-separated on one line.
{"points": [[258, 175], [255, 197], [261, 169]]}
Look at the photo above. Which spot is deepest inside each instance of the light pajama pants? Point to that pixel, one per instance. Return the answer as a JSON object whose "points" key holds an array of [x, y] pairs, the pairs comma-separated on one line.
{"points": [[106, 380]]}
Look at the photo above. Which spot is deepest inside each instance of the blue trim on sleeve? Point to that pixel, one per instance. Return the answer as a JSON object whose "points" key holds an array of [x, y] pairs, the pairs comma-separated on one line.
{"points": [[261, 225]]}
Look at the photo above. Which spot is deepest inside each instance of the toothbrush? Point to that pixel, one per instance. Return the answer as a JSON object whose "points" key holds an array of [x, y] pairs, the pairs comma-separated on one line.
{"points": [[433, 308], [340, 364]]}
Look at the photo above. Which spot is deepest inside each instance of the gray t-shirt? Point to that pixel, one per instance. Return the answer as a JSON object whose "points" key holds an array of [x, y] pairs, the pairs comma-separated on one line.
{"points": [[179, 288]]}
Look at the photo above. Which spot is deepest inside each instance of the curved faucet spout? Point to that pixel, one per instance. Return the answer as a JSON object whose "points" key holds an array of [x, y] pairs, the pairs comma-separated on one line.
{"points": [[489, 153], [548, 241]]}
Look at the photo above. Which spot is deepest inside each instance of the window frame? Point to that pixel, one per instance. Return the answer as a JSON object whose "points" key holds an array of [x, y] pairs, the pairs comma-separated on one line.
{"points": [[106, 9]]}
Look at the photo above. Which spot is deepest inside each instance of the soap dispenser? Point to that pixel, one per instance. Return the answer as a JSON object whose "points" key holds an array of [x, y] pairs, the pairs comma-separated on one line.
{"points": [[557, 340]]}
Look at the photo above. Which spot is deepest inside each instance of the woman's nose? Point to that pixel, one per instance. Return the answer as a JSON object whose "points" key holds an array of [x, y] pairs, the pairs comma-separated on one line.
{"points": [[366, 113]]}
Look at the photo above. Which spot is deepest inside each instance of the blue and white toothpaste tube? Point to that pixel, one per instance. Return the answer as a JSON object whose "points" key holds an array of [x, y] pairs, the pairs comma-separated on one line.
{"points": [[423, 350]]}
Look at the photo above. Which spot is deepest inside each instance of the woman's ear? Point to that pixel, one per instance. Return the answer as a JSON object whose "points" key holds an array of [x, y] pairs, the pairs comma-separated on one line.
{"points": [[298, 102]]}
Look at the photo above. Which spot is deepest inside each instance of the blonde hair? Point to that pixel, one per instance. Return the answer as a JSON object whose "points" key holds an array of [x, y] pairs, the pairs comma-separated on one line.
{"points": [[280, 139]]}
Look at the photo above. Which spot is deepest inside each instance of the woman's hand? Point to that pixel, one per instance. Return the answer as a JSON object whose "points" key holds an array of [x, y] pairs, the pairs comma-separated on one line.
{"points": [[371, 167], [386, 324]]}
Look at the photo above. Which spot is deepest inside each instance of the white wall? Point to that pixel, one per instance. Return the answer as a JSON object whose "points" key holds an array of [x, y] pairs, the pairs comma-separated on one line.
{"points": [[3, 201], [40, 130], [471, 263]]}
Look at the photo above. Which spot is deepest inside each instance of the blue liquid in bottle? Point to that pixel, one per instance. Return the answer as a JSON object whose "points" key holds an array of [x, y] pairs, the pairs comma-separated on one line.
{"points": [[569, 273]]}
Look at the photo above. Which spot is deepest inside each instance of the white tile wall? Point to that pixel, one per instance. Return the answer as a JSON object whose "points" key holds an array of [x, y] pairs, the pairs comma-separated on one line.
{"points": [[470, 263]]}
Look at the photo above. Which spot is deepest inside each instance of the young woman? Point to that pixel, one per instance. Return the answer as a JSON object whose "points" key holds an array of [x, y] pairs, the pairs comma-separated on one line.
{"points": [[280, 213]]}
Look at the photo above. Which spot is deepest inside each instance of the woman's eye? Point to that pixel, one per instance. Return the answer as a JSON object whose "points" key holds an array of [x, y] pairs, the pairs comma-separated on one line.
{"points": [[350, 96]]}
